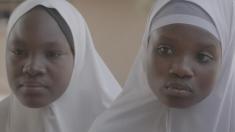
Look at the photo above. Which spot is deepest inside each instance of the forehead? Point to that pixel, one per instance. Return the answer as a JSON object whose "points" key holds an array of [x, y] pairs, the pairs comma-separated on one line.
{"points": [[36, 26], [184, 32]]}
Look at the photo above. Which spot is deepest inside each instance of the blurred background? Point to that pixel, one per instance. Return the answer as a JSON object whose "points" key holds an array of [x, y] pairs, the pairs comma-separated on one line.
{"points": [[117, 27]]}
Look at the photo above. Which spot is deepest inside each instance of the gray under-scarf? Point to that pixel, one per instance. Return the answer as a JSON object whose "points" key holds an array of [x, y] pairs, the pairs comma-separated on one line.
{"points": [[184, 12]]}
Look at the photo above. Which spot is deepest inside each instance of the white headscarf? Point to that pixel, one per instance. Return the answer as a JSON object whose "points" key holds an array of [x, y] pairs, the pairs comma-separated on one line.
{"points": [[137, 109], [91, 90]]}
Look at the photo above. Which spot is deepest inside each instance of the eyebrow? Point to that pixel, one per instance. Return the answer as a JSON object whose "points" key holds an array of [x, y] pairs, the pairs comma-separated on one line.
{"points": [[52, 44], [166, 38], [18, 42], [207, 45]]}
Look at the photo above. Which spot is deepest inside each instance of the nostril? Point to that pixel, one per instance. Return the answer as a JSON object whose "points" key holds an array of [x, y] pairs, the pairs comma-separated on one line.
{"points": [[181, 72], [33, 68], [29, 70]]}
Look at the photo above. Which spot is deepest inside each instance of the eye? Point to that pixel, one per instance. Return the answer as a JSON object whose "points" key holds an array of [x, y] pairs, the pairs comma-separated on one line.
{"points": [[164, 50], [18, 52], [205, 57], [53, 54]]}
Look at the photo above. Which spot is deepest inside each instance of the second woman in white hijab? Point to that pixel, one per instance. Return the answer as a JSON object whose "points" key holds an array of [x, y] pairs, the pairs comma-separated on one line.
{"points": [[183, 77], [58, 80]]}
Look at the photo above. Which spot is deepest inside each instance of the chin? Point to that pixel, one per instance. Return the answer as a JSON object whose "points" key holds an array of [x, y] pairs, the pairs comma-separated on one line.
{"points": [[178, 104], [34, 103]]}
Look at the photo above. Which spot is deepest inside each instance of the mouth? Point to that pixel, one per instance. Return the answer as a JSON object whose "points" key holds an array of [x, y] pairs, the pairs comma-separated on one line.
{"points": [[32, 88], [32, 84], [178, 89]]}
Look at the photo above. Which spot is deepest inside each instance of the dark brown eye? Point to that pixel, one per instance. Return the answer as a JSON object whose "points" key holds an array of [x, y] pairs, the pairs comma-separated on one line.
{"points": [[204, 58], [164, 51], [18, 52], [53, 54]]}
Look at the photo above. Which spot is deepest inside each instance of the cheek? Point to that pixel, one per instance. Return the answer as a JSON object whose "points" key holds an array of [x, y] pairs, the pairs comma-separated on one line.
{"points": [[206, 78], [60, 74], [157, 72], [160, 67], [13, 67]]}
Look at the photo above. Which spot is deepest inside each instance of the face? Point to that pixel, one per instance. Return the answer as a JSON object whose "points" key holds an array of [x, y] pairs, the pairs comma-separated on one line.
{"points": [[183, 63], [39, 59]]}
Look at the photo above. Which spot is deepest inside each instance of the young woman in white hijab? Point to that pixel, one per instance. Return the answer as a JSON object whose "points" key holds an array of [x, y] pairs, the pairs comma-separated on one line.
{"points": [[183, 77], [59, 82]]}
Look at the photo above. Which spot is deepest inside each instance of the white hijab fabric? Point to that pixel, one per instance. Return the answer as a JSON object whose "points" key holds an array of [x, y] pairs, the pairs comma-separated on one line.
{"points": [[91, 90], [137, 109]]}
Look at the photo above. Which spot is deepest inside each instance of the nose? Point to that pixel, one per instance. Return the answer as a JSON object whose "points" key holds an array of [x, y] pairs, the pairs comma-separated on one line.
{"points": [[34, 66], [182, 68]]}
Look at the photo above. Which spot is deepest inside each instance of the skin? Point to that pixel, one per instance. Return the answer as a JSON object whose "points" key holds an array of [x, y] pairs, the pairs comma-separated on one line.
{"points": [[39, 59], [183, 63]]}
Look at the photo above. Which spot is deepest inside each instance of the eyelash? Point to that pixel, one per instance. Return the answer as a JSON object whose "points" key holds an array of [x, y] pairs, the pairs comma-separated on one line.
{"points": [[204, 58], [166, 51], [18, 52], [54, 54]]}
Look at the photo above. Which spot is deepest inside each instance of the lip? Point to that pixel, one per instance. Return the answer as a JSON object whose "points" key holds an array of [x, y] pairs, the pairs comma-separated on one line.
{"points": [[32, 88], [32, 84], [181, 89]]}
